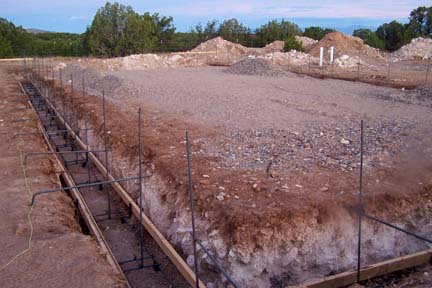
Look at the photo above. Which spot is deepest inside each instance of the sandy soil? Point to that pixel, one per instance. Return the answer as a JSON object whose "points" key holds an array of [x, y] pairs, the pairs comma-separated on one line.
{"points": [[59, 255]]}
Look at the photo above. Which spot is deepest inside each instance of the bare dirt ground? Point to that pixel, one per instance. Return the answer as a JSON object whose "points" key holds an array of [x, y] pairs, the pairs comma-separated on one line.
{"points": [[41, 246], [275, 164]]}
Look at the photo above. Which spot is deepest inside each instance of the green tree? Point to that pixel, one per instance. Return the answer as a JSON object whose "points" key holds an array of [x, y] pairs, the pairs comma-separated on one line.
{"points": [[316, 32], [275, 30], [162, 31], [117, 30], [420, 23], [234, 31], [291, 43], [205, 33], [5, 48], [394, 35], [370, 38]]}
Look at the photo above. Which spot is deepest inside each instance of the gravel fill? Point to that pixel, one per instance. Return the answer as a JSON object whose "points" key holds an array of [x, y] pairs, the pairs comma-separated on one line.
{"points": [[289, 122], [421, 96], [319, 145], [255, 66]]}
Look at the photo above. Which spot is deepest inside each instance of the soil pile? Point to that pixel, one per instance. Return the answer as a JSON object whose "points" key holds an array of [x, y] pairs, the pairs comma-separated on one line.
{"points": [[344, 44], [419, 48], [255, 66], [276, 46], [219, 45], [306, 41]]}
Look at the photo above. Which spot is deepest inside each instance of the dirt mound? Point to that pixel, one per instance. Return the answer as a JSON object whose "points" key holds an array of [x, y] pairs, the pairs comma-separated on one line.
{"points": [[255, 66], [218, 44], [306, 41], [419, 48], [345, 45], [276, 46]]}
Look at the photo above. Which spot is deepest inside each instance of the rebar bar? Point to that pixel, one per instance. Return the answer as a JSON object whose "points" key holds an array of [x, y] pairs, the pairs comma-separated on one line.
{"points": [[360, 205], [191, 203]]}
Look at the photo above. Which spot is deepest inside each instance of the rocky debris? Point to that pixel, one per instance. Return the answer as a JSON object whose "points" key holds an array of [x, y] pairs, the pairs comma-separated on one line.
{"points": [[345, 44], [333, 147], [141, 61], [292, 57], [419, 48], [348, 62], [306, 41], [255, 66]]}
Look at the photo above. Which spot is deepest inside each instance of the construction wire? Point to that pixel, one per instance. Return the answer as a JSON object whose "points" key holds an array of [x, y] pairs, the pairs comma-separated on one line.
{"points": [[20, 148]]}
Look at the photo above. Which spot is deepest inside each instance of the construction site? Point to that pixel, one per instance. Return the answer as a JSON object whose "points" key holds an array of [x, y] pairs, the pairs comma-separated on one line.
{"points": [[222, 166]]}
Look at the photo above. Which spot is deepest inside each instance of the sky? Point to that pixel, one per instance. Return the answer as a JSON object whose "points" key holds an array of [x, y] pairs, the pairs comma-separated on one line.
{"points": [[76, 15]]}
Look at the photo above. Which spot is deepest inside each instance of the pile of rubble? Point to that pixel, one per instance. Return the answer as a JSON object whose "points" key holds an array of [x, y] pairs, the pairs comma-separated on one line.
{"points": [[348, 62], [291, 58], [255, 66], [419, 48]]}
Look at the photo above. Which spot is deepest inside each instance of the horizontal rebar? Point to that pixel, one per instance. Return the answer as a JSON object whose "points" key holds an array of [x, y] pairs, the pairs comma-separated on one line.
{"points": [[398, 228], [81, 186], [60, 152]]}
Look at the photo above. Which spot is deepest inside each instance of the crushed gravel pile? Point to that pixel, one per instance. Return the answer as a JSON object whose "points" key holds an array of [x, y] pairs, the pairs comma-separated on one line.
{"points": [[95, 82], [255, 66], [419, 48]]}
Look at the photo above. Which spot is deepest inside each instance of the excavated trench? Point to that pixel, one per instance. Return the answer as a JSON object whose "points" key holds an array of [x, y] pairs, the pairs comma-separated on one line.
{"points": [[119, 227], [309, 243]]}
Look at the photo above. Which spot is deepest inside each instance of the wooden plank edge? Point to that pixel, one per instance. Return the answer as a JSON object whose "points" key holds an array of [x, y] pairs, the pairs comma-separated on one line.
{"points": [[375, 270]]}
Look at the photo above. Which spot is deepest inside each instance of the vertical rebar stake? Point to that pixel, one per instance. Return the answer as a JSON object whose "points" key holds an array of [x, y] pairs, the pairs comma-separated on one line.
{"points": [[86, 130], [140, 188], [191, 203], [62, 94], [106, 151], [360, 205], [54, 88]]}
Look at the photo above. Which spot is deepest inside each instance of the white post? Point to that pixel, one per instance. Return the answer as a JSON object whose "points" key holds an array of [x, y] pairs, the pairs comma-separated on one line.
{"points": [[321, 56], [331, 54]]}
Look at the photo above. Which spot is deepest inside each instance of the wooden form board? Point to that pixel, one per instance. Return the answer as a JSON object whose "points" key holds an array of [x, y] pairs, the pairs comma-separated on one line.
{"points": [[82, 206], [375, 270], [160, 239]]}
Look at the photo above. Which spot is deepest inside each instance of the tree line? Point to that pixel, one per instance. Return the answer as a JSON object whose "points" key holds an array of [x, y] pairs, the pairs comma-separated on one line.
{"points": [[117, 30]]}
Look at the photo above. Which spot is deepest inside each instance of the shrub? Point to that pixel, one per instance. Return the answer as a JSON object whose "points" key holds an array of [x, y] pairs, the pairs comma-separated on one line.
{"points": [[291, 43]]}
